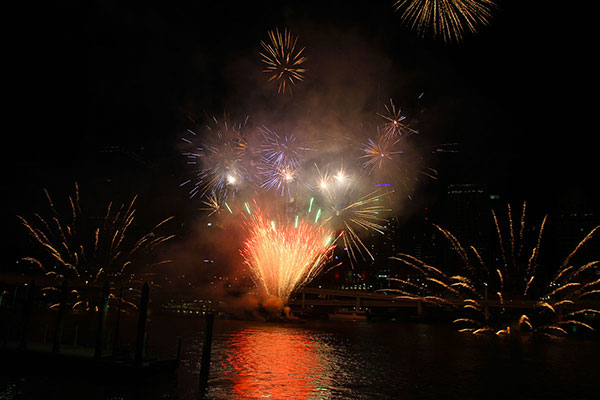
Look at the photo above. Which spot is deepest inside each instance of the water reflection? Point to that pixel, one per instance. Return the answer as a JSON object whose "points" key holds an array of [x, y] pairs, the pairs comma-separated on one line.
{"points": [[332, 360], [277, 363]]}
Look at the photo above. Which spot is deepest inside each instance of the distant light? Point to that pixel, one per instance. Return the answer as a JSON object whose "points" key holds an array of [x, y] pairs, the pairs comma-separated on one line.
{"points": [[383, 184], [209, 224]]}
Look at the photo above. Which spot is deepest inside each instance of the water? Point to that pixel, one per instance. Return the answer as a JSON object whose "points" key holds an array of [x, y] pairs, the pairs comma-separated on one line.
{"points": [[343, 360]]}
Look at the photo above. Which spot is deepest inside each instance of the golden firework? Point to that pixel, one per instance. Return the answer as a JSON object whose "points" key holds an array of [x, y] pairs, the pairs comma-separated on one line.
{"points": [[446, 18], [284, 258], [283, 60]]}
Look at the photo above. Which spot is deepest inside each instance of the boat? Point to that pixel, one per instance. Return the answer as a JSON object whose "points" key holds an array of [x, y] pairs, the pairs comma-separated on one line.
{"points": [[345, 314]]}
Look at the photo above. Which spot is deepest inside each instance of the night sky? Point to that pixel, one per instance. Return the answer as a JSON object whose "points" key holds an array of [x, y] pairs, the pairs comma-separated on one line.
{"points": [[517, 96]]}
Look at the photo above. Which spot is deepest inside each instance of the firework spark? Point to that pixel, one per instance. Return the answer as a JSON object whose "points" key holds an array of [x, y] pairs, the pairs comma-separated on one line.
{"points": [[283, 61], [285, 258], [446, 18]]}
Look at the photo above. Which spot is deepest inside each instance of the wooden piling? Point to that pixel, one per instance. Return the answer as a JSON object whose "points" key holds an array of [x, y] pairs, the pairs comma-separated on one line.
{"points": [[58, 331], [26, 316], [141, 328], [102, 311], [115, 348], [206, 350]]}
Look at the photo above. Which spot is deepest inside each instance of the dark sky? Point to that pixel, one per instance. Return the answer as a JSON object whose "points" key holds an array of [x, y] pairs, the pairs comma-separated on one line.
{"points": [[517, 96]]}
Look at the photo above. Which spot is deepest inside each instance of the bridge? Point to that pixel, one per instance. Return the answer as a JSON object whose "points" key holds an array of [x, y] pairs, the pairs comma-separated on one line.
{"points": [[336, 298]]}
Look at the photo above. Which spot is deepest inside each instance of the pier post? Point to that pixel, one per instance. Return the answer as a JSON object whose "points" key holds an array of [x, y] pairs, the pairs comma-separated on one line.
{"points": [[206, 350], [141, 328], [26, 316], [58, 330], [115, 348], [303, 301], [357, 303], [420, 309], [102, 311]]}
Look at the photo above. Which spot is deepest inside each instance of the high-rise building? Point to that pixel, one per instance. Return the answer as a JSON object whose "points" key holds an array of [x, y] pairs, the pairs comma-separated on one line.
{"points": [[467, 215], [573, 224]]}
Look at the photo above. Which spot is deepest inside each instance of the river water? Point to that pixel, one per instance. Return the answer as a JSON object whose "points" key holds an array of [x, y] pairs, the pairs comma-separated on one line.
{"points": [[344, 360]]}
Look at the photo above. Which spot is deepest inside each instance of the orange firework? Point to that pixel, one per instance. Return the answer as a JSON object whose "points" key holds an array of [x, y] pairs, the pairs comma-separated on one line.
{"points": [[283, 61], [285, 258]]}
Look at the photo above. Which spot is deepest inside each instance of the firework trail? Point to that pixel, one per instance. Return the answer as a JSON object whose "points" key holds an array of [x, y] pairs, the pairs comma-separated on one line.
{"points": [[283, 60], [285, 257], [71, 248], [446, 18], [554, 303]]}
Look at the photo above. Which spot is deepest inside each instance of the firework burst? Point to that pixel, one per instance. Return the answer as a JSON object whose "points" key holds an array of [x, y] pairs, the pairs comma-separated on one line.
{"points": [[285, 257], [449, 19], [278, 167], [396, 124], [71, 248], [391, 157], [283, 60], [552, 304], [380, 151], [349, 213], [219, 156], [212, 203], [281, 160], [390, 160]]}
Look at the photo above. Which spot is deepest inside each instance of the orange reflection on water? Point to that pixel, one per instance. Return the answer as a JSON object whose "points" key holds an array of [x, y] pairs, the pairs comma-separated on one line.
{"points": [[278, 364]]}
